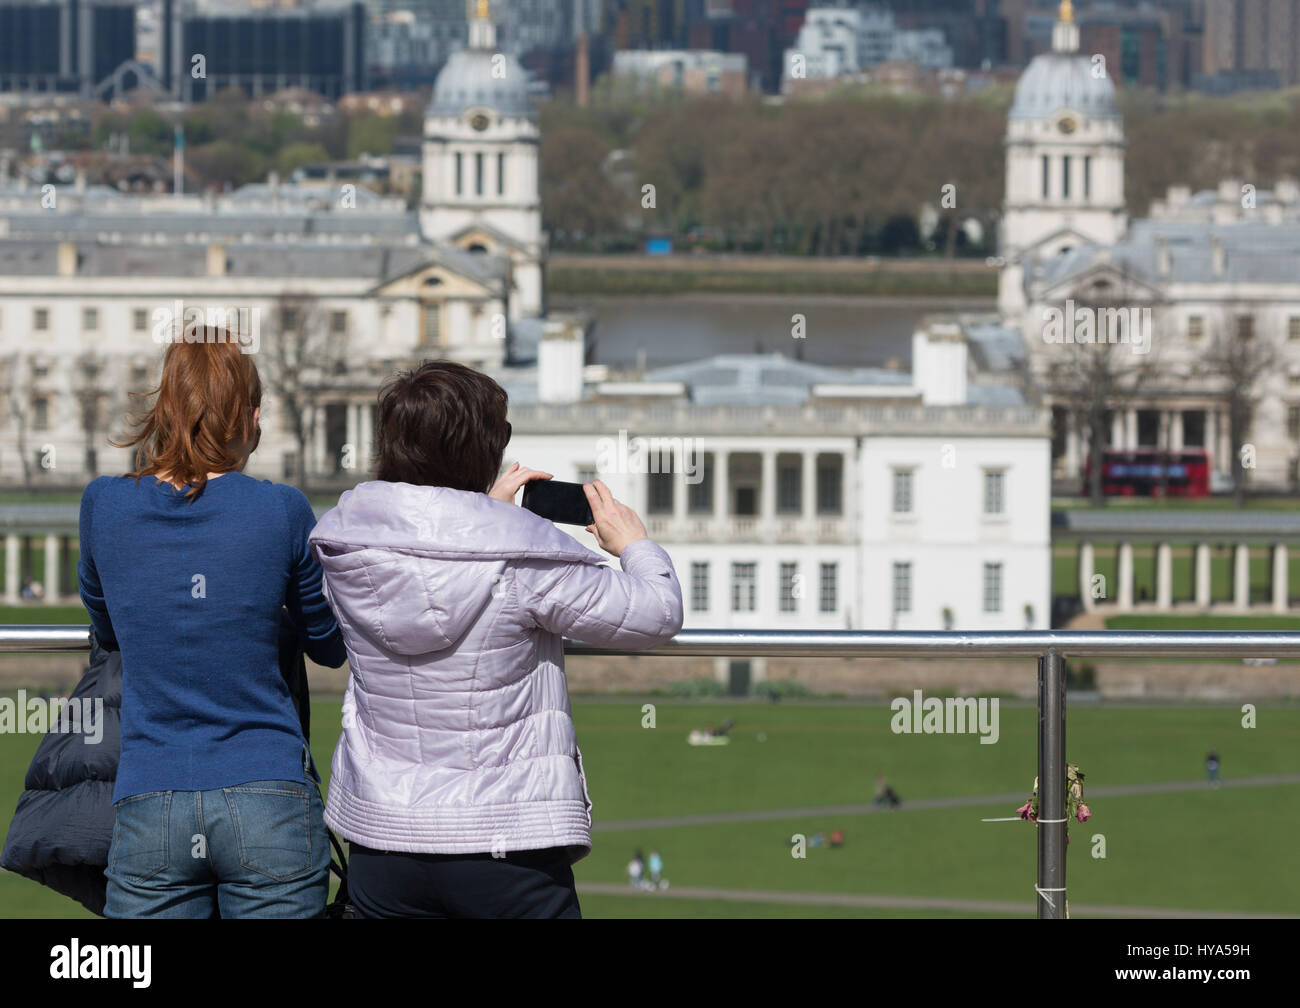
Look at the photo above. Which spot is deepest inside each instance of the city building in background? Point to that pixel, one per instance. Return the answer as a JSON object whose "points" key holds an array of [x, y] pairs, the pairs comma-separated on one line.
{"points": [[690, 71], [841, 42], [67, 46], [207, 47]]}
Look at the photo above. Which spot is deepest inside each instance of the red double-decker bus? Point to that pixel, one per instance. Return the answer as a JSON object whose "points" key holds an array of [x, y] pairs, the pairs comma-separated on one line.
{"points": [[1151, 472]]}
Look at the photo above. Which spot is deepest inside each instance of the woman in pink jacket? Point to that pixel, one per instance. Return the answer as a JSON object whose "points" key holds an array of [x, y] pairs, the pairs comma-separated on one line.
{"points": [[458, 779]]}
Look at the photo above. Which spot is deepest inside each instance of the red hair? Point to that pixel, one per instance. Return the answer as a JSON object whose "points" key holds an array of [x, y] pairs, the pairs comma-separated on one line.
{"points": [[202, 418]]}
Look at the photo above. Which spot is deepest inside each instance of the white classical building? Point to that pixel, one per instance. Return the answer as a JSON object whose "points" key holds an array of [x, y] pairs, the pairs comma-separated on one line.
{"points": [[1207, 275], [480, 163], [795, 495], [92, 282]]}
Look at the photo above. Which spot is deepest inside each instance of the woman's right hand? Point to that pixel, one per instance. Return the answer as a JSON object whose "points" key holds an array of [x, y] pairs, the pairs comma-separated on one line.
{"points": [[615, 523]]}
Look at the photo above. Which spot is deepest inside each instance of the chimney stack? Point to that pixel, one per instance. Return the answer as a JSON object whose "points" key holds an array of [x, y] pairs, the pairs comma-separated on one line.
{"points": [[939, 362], [561, 355], [68, 258], [216, 260]]}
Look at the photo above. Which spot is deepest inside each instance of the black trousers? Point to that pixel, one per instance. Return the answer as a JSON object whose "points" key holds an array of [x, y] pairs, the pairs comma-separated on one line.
{"points": [[537, 883]]}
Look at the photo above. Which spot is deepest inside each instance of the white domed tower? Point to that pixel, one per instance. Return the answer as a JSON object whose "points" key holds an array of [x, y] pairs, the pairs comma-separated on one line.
{"points": [[480, 188], [1065, 160]]}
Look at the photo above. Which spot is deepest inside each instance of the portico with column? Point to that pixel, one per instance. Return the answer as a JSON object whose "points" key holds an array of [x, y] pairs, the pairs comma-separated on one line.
{"points": [[1167, 532]]}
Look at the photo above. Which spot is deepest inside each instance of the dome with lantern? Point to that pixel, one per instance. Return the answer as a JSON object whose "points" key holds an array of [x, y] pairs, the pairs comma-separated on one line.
{"points": [[480, 76], [1064, 79]]}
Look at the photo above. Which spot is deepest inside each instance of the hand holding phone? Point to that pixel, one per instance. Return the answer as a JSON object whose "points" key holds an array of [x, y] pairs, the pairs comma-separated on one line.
{"points": [[558, 502], [615, 525]]}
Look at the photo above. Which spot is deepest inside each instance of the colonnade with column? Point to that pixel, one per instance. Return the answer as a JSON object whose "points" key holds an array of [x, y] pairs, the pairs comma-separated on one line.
{"points": [[1121, 594], [767, 513], [56, 582], [1172, 434]]}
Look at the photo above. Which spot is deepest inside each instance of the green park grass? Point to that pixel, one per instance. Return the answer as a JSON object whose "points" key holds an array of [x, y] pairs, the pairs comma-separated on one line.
{"points": [[1225, 850]]}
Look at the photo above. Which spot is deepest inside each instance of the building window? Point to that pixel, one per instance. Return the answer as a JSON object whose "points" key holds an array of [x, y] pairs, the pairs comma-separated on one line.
{"points": [[1245, 327], [288, 320], [41, 319], [478, 174], [587, 474], [89, 319], [432, 335], [1047, 175], [501, 174], [1293, 422], [902, 587], [744, 596], [1065, 177], [338, 322], [460, 173], [993, 502], [660, 486], [699, 587], [746, 501], [40, 413], [699, 495], [1087, 176], [1195, 328], [789, 572], [788, 478], [829, 593], [1293, 327], [828, 488], [902, 491], [992, 587], [140, 319]]}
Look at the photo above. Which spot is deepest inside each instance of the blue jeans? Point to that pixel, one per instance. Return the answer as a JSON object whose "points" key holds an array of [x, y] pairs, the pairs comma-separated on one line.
{"points": [[255, 850]]}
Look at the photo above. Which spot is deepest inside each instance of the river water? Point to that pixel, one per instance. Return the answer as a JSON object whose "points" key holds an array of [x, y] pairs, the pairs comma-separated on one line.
{"points": [[657, 331]]}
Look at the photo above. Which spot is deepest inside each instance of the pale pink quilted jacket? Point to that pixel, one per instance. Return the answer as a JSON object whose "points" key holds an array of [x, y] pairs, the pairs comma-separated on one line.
{"points": [[457, 733]]}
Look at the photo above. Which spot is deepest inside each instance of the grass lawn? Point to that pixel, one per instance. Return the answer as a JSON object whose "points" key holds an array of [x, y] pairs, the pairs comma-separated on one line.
{"points": [[1202, 849]]}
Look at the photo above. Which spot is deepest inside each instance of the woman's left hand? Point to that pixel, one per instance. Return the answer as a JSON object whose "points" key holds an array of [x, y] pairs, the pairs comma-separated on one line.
{"points": [[512, 479]]}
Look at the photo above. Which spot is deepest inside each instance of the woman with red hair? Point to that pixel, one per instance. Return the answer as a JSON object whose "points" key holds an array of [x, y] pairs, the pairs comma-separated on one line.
{"points": [[187, 566]]}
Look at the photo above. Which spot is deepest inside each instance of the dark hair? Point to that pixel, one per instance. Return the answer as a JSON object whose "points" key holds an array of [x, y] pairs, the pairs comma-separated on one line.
{"points": [[201, 420], [442, 424]]}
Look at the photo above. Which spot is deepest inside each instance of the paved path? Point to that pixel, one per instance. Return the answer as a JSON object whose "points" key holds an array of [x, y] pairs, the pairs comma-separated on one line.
{"points": [[1026, 908], [864, 808]]}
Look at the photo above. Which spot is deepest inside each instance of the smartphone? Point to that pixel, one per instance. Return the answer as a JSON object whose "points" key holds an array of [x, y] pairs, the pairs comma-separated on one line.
{"points": [[555, 501]]}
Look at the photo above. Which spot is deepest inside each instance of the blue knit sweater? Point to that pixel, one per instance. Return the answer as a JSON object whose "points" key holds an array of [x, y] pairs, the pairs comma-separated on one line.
{"points": [[192, 594]]}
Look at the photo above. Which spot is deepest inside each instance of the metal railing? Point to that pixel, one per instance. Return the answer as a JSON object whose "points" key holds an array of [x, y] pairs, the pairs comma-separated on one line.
{"points": [[1049, 647]]}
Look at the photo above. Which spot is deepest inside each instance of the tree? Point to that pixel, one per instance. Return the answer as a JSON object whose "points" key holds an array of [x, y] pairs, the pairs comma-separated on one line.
{"points": [[1241, 360], [295, 155], [1094, 379], [297, 358], [91, 391], [15, 372]]}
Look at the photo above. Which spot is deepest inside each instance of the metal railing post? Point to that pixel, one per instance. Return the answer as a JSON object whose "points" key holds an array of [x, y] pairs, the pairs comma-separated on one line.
{"points": [[1051, 786]]}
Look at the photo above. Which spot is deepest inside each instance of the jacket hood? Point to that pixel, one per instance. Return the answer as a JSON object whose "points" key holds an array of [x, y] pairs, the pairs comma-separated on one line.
{"points": [[369, 545]]}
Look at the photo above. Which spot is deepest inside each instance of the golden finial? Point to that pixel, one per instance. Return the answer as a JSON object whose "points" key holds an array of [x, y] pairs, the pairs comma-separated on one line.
{"points": [[484, 14], [1067, 11]]}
